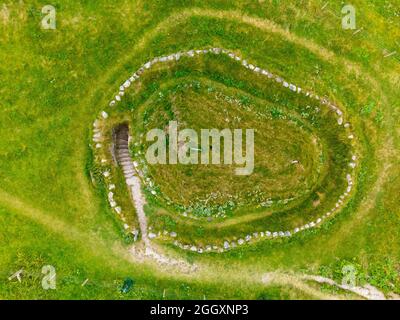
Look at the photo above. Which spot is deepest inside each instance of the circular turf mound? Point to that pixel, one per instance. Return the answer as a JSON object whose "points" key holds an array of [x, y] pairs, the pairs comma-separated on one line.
{"points": [[305, 151]]}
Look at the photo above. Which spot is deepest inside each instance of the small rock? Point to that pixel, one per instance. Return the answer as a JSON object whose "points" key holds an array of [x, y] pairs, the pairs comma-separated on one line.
{"points": [[152, 235], [104, 114], [135, 234], [113, 204], [127, 83]]}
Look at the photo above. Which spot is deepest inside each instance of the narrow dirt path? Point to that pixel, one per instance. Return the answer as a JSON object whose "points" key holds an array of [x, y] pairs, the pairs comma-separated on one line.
{"points": [[300, 281], [124, 159], [367, 291]]}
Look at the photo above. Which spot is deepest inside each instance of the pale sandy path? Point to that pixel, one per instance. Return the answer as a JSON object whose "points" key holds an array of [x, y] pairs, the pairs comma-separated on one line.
{"points": [[133, 181]]}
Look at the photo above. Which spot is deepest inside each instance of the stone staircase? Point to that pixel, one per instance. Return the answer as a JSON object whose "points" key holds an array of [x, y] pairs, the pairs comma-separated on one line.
{"points": [[121, 149], [124, 160]]}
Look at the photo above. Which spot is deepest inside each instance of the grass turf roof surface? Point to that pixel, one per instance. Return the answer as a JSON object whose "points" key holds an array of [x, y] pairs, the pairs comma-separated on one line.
{"points": [[53, 90]]}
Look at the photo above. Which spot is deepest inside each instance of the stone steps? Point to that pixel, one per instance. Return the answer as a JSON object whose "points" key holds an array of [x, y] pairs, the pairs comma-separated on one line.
{"points": [[128, 168], [123, 154], [122, 142]]}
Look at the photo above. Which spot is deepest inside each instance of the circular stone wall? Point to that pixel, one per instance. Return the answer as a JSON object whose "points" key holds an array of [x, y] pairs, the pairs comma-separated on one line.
{"points": [[304, 161]]}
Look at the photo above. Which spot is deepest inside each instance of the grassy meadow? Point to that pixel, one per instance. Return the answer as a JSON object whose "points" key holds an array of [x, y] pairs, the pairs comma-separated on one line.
{"points": [[53, 201]]}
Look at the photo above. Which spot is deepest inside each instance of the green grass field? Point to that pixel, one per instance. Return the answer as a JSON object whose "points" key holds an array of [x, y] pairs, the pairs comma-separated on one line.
{"points": [[53, 194]]}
